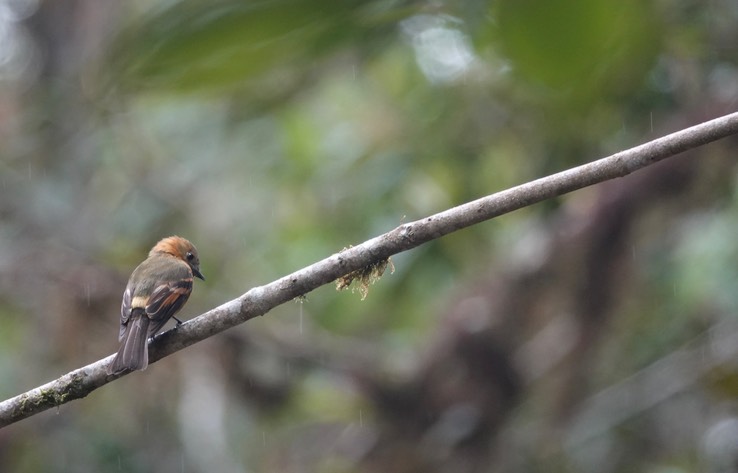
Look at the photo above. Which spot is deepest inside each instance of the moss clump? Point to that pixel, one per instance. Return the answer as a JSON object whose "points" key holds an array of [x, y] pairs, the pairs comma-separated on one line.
{"points": [[364, 277]]}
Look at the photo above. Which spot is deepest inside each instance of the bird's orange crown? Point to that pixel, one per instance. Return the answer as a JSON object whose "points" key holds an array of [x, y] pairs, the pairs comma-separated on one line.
{"points": [[174, 245], [179, 248]]}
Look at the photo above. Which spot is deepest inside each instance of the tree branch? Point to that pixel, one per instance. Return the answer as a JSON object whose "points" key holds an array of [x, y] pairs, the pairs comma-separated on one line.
{"points": [[259, 300]]}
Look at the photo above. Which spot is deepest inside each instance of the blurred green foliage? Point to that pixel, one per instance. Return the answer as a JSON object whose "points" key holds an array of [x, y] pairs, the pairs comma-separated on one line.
{"points": [[275, 133], [579, 48]]}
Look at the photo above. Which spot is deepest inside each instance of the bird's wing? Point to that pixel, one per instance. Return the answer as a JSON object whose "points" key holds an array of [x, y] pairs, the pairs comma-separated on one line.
{"points": [[166, 300]]}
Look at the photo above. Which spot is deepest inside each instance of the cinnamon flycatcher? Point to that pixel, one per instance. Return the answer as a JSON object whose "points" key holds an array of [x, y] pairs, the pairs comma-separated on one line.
{"points": [[156, 291]]}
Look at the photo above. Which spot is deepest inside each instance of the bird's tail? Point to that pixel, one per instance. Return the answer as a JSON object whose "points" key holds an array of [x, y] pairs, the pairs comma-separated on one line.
{"points": [[133, 353]]}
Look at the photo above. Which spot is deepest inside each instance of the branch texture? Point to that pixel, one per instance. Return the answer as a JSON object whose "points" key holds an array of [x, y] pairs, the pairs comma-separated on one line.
{"points": [[259, 300]]}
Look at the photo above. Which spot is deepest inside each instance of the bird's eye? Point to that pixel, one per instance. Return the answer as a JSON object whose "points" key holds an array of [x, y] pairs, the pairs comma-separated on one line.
{"points": [[190, 256]]}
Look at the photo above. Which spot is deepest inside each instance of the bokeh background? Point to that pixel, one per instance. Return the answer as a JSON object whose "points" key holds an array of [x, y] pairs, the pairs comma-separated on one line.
{"points": [[595, 332]]}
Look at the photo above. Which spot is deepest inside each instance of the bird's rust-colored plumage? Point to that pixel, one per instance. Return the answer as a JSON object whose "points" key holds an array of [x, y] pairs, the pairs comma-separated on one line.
{"points": [[156, 291]]}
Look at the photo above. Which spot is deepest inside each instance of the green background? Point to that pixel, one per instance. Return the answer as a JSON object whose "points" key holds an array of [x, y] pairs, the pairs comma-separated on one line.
{"points": [[594, 332]]}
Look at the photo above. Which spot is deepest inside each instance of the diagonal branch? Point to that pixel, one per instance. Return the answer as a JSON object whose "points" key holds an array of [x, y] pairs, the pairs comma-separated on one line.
{"points": [[260, 300]]}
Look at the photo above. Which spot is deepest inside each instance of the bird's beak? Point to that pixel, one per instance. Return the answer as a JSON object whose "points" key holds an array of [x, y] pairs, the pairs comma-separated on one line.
{"points": [[197, 273]]}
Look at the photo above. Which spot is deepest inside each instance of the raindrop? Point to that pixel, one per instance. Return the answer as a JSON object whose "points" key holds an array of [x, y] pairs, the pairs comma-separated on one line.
{"points": [[301, 314]]}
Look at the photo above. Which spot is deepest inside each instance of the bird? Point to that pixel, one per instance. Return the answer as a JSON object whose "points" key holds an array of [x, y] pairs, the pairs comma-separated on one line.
{"points": [[156, 291]]}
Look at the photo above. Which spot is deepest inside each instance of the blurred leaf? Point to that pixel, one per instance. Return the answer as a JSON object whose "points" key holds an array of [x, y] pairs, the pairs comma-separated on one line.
{"points": [[198, 46], [576, 46]]}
